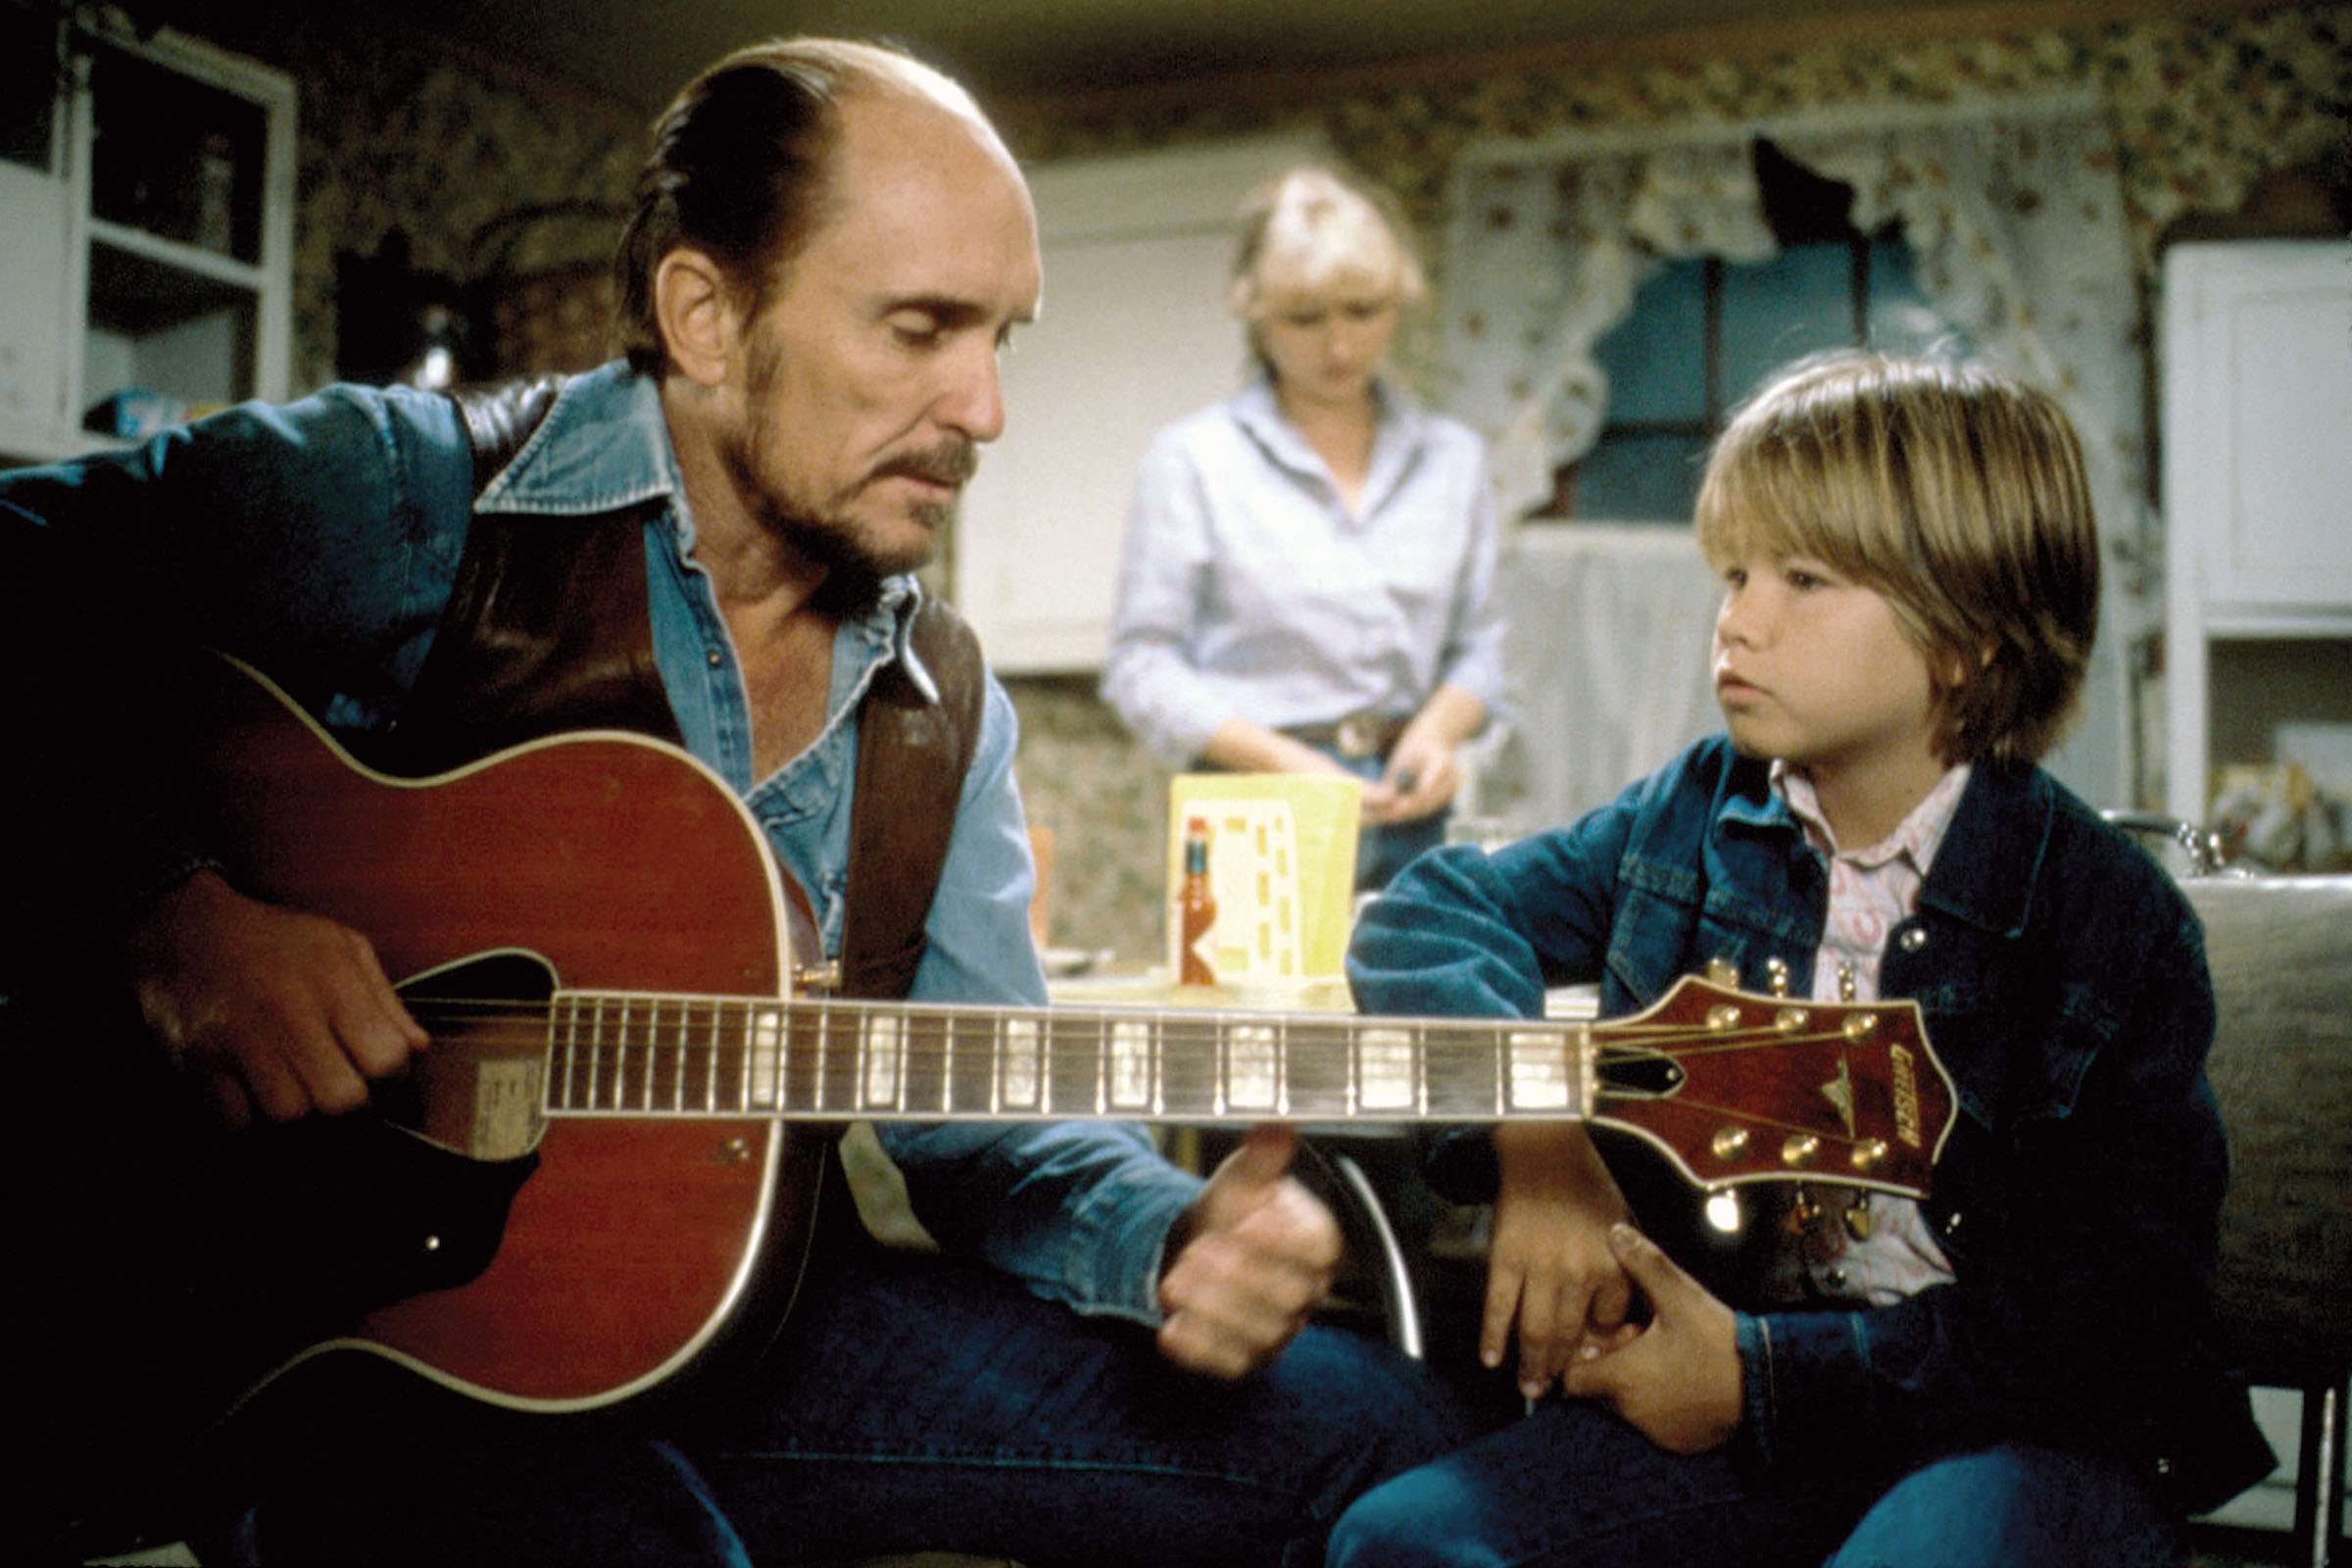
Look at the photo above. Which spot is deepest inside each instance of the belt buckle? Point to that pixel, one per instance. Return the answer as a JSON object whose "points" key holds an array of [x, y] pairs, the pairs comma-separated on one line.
{"points": [[1357, 736]]}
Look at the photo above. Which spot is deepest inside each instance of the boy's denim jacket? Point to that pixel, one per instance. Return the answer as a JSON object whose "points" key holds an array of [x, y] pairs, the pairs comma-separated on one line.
{"points": [[2063, 980]]}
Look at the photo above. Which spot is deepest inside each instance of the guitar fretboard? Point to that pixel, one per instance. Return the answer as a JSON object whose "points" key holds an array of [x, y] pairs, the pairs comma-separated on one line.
{"points": [[638, 1054]]}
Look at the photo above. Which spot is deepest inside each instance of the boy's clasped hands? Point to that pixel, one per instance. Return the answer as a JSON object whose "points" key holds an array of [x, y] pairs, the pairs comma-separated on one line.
{"points": [[1600, 1310]]}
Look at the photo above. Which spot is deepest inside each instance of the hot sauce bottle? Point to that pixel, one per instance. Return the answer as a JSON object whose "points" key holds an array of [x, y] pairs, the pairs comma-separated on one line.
{"points": [[1196, 908]]}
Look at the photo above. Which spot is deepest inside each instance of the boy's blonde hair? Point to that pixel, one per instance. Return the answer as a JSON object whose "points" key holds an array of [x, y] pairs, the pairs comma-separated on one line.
{"points": [[1955, 491]]}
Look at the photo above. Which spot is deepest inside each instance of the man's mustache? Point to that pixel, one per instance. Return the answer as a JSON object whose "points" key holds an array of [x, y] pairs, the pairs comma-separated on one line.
{"points": [[952, 462]]}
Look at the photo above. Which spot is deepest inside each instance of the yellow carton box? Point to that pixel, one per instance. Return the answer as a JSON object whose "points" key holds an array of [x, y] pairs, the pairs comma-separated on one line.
{"points": [[1282, 865]]}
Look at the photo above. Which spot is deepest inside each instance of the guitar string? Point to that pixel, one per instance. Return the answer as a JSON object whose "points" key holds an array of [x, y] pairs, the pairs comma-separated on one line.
{"points": [[531, 1024]]}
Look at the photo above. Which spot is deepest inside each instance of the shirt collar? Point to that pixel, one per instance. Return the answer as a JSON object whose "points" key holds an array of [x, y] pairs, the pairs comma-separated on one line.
{"points": [[625, 461], [1915, 839], [1260, 418], [605, 445]]}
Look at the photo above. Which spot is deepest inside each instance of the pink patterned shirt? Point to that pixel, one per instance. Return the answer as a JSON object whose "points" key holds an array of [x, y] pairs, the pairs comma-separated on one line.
{"points": [[1863, 1245]]}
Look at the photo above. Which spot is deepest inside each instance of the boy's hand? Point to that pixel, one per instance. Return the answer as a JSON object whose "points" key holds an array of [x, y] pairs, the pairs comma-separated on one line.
{"points": [[1551, 1269], [1679, 1380], [1256, 1256]]}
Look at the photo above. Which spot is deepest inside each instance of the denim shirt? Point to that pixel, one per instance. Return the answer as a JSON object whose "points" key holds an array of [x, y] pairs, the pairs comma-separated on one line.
{"points": [[2062, 978], [1248, 587], [319, 542]]}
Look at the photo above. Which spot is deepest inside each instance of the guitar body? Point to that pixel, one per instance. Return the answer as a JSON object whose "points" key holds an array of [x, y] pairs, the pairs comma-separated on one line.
{"points": [[629, 1246], [585, 1189]]}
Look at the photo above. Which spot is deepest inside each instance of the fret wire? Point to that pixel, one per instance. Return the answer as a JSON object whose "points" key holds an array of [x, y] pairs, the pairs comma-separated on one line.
{"points": [[621, 1054], [596, 1058], [636, 1047], [706, 1089], [824, 1053], [651, 1095], [743, 1072], [1100, 1063], [571, 1029], [670, 1054]]}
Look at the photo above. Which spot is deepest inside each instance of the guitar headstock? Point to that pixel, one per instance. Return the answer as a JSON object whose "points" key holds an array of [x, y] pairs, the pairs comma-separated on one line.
{"points": [[1738, 1088]]}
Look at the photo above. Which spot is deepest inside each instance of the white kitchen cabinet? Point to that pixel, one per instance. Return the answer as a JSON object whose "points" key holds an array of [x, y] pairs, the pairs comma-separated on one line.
{"points": [[2257, 349], [1133, 335], [147, 249]]}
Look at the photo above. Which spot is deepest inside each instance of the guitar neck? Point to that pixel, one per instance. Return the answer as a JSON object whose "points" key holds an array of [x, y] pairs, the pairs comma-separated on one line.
{"points": [[632, 1054]]}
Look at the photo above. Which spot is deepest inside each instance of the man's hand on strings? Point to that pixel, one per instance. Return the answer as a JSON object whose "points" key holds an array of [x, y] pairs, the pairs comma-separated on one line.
{"points": [[275, 1013]]}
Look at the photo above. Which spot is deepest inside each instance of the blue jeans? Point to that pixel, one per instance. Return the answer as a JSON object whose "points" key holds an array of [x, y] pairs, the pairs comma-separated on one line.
{"points": [[1571, 1485], [911, 1403]]}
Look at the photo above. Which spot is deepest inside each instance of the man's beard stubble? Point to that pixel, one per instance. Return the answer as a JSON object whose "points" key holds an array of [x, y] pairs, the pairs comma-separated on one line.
{"points": [[823, 530]]}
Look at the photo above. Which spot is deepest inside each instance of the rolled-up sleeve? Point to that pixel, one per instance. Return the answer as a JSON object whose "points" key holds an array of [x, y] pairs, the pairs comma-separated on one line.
{"points": [[1079, 1210]]}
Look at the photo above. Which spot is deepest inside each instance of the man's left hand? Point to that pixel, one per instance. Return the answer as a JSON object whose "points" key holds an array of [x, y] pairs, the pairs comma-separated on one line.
{"points": [[1258, 1255]]}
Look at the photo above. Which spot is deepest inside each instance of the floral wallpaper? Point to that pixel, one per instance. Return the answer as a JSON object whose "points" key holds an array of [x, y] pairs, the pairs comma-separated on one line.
{"points": [[475, 164]]}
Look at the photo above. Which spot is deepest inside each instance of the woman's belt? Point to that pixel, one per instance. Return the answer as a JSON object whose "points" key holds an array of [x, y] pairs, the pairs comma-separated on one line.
{"points": [[1357, 736]]}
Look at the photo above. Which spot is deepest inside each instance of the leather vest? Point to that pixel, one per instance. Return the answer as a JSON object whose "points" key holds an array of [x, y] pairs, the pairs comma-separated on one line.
{"points": [[548, 629]]}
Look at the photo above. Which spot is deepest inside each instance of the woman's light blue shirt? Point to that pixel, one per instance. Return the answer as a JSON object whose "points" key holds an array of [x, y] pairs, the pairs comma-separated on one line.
{"points": [[1249, 589]]}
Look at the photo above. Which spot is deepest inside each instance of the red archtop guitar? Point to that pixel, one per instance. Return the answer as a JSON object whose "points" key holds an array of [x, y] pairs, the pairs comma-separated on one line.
{"points": [[599, 944]]}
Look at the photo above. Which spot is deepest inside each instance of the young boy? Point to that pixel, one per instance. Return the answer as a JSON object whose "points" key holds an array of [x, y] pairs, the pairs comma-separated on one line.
{"points": [[2022, 1369]]}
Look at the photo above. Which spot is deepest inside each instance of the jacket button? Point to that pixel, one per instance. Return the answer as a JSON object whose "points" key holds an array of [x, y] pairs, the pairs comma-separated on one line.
{"points": [[1913, 939], [1951, 1223]]}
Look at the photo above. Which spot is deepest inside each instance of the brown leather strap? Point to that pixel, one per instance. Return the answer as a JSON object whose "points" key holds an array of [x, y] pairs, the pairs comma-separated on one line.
{"points": [[547, 630], [912, 755], [500, 420]]}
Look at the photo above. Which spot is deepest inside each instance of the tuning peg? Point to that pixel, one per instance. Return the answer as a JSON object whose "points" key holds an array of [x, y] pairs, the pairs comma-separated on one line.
{"points": [[1776, 974], [1723, 971]]}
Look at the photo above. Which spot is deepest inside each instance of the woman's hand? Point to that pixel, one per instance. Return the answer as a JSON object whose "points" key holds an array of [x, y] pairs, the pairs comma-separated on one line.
{"points": [[1424, 771], [1420, 780], [1551, 1269]]}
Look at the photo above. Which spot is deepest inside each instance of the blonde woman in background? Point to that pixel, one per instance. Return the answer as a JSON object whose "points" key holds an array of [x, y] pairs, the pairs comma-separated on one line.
{"points": [[1308, 579]]}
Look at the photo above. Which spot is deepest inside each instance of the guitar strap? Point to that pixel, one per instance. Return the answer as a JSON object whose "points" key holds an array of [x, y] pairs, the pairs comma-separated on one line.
{"points": [[548, 629]]}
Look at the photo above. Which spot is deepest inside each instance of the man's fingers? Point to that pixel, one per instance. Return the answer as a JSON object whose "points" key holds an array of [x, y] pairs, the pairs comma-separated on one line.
{"points": [[1264, 1157]]}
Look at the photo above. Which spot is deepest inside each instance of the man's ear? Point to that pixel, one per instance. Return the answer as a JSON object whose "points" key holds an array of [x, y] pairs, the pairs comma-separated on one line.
{"points": [[696, 311]]}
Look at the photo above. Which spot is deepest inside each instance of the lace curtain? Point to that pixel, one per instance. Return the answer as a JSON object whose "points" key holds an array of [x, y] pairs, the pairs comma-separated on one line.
{"points": [[2014, 215]]}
